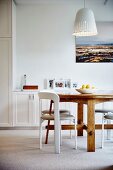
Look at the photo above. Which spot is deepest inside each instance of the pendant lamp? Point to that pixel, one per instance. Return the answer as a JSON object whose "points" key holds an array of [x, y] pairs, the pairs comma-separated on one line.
{"points": [[85, 24]]}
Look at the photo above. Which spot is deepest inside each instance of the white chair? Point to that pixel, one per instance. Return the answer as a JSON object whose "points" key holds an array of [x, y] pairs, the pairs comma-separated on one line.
{"points": [[105, 113], [55, 116], [108, 116]]}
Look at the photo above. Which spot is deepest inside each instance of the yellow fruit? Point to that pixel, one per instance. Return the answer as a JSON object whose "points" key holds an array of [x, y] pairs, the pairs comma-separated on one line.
{"points": [[83, 86], [87, 86]]}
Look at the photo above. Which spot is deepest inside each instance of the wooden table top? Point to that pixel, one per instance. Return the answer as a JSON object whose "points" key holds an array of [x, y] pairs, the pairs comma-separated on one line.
{"points": [[84, 98], [92, 96], [99, 95]]}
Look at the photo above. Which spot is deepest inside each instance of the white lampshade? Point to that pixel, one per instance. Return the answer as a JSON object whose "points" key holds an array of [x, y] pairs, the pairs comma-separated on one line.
{"points": [[85, 24]]}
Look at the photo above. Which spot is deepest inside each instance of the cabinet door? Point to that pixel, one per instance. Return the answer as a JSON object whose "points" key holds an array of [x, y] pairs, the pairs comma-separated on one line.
{"points": [[5, 18], [21, 110], [5, 83], [25, 111]]}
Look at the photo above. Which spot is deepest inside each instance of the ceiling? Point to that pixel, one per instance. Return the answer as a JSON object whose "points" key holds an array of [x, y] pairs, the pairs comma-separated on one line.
{"points": [[104, 2]]}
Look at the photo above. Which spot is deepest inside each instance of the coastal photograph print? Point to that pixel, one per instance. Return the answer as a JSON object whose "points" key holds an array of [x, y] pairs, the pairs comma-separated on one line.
{"points": [[98, 48]]}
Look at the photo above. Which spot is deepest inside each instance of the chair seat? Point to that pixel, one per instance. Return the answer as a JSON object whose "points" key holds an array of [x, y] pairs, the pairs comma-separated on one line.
{"points": [[52, 112], [109, 116], [103, 110], [63, 116]]}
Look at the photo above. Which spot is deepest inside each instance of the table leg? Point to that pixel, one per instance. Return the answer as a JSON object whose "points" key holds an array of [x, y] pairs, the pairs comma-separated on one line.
{"points": [[91, 126], [80, 118]]}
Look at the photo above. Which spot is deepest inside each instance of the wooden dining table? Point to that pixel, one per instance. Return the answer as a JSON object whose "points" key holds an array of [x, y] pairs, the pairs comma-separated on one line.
{"points": [[90, 100]]}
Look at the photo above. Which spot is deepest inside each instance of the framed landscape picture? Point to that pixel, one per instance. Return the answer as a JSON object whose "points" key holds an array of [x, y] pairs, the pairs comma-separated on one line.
{"points": [[98, 48]]}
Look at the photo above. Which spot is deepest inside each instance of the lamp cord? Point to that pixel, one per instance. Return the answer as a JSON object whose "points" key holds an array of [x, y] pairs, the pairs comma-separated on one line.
{"points": [[84, 4]]}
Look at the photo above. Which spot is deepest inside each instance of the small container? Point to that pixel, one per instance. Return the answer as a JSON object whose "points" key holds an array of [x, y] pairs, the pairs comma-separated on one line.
{"points": [[24, 80]]}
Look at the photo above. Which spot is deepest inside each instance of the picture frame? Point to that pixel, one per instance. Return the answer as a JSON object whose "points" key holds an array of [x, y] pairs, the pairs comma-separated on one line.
{"points": [[61, 84], [98, 48]]}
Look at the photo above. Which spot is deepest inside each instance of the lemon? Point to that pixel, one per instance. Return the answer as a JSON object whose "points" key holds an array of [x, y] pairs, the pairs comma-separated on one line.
{"points": [[83, 86], [87, 86]]}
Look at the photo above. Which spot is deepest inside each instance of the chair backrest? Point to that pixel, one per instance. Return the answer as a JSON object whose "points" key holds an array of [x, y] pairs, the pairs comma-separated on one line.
{"points": [[48, 95]]}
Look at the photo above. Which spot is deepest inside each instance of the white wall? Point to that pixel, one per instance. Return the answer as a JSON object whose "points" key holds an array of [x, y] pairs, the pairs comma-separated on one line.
{"points": [[46, 47]]}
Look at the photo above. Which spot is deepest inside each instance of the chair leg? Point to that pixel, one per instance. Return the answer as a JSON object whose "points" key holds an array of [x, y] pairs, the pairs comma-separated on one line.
{"points": [[70, 130], [102, 138], [47, 132], [75, 135], [60, 134], [40, 134], [70, 134], [108, 130]]}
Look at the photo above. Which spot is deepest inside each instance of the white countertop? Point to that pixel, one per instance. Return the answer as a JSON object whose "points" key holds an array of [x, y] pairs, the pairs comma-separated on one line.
{"points": [[25, 91]]}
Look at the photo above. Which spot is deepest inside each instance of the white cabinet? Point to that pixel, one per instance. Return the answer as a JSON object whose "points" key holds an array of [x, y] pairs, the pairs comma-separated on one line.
{"points": [[5, 18], [22, 111], [6, 64], [25, 109], [5, 82]]}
